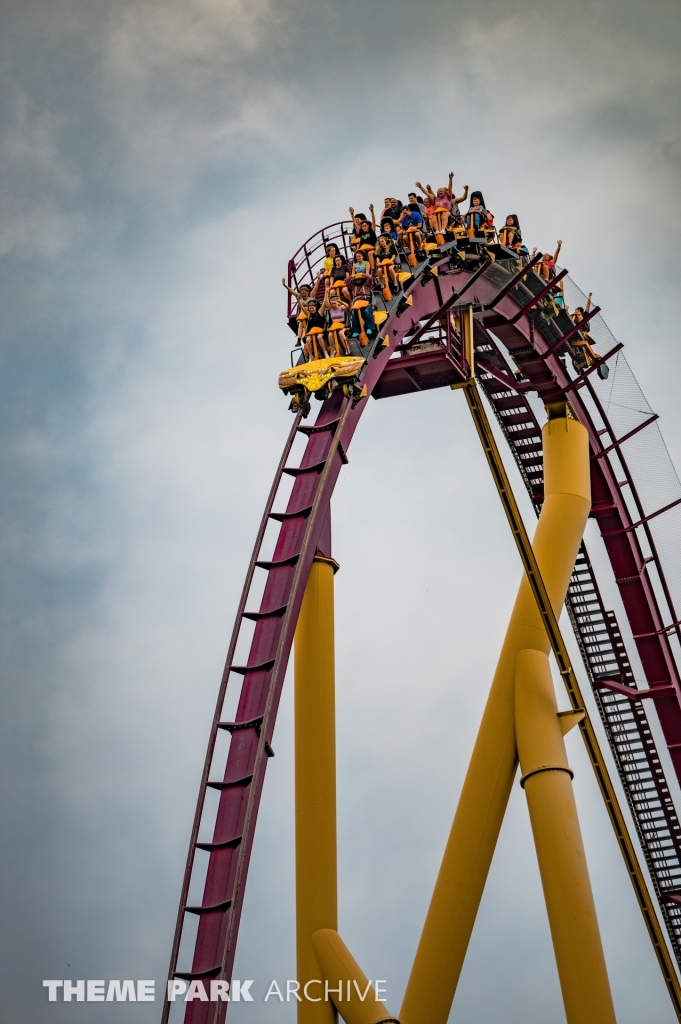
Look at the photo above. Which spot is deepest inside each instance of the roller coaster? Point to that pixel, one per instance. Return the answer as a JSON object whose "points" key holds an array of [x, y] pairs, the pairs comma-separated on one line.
{"points": [[466, 312]]}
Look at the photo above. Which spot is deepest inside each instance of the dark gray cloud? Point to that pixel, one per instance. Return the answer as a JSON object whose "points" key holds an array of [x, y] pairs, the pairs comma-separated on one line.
{"points": [[159, 163]]}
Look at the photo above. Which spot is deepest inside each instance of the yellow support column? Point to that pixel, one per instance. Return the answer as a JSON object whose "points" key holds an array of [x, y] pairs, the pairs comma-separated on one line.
{"points": [[547, 781], [315, 782], [346, 983], [479, 815]]}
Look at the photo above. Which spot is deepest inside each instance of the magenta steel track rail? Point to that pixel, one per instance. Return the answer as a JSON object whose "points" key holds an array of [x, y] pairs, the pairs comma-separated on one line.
{"points": [[302, 526], [419, 320], [241, 611]]}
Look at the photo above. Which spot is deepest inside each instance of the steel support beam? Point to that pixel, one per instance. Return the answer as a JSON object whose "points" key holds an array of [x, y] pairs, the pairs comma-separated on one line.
{"points": [[544, 605], [487, 787], [315, 781]]}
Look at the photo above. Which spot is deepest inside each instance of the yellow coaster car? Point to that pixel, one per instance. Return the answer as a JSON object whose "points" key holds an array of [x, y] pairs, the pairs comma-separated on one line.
{"points": [[321, 376]]}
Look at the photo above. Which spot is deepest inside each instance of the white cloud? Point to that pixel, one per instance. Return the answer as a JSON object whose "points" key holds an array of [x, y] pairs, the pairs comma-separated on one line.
{"points": [[36, 181], [146, 37], [185, 88]]}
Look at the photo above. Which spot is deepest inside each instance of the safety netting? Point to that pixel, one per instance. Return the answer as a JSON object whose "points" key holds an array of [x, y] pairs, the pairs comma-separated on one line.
{"points": [[648, 483]]}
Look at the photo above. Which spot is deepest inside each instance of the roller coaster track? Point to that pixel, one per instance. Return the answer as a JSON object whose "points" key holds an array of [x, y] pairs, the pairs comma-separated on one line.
{"points": [[456, 309]]}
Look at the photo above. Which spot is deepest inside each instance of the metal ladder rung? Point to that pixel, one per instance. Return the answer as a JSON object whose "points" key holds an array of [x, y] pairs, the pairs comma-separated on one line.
{"points": [[225, 905], [287, 562], [317, 468], [318, 430], [244, 670], [217, 784], [282, 517], [212, 972], [228, 844], [274, 613], [252, 723]]}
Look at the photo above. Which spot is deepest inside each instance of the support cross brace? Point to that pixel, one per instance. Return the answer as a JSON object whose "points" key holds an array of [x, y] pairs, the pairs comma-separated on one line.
{"points": [[562, 657]]}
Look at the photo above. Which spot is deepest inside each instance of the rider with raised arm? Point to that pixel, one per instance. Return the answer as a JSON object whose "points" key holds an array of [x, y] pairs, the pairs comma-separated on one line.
{"points": [[429, 203], [444, 200], [547, 267], [302, 297], [585, 354], [386, 258], [457, 219]]}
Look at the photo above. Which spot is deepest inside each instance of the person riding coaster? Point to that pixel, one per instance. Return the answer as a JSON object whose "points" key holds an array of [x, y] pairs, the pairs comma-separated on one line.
{"points": [[332, 251], [546, 268], [337, 281], [584, 352], [510, 235], [336, 333], [323, 372], [443, 208], [365, 234], [363, 325], [443, 212], [302, 297], [388, 228], [386, 257], [314, 337], [478, 220], [411, 238]]}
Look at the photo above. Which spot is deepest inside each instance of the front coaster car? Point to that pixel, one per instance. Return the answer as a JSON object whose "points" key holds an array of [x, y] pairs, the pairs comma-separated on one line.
{"points": [[321, 377]]}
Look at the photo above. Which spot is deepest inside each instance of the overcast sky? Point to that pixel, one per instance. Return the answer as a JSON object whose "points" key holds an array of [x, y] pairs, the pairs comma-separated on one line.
{"points": [[160, 161]]}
